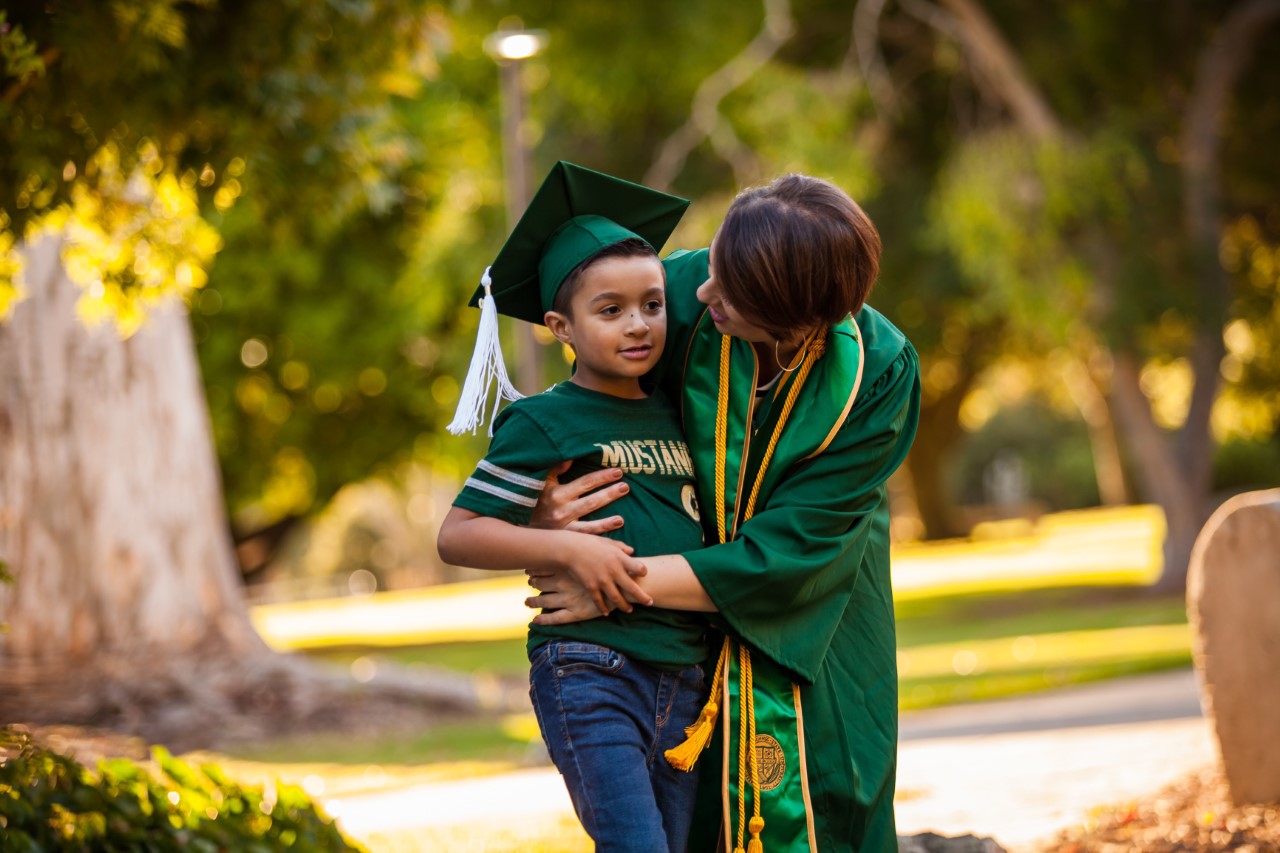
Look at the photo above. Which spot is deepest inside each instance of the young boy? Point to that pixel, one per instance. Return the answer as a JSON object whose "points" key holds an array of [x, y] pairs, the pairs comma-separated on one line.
{"points": [[611, 694]]}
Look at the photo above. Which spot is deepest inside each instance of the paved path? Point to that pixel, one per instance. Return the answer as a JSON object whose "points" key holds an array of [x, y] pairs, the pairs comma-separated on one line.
{"points": [[1017, 770], [1021, 769]]}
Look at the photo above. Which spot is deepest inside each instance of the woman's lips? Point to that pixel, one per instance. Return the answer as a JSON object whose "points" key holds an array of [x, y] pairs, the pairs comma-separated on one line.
{"points": [[716, 315]]}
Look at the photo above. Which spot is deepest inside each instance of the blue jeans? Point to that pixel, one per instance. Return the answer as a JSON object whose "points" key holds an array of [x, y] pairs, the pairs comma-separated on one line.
{"points": [[607, 720]]}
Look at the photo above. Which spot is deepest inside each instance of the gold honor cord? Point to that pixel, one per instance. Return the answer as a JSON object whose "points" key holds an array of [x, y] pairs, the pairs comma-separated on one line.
{"points": [[685, 756]]}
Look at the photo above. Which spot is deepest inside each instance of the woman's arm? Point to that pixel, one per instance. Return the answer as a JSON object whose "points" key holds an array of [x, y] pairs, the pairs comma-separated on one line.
{"points": [[669, 582], [603, 568]]}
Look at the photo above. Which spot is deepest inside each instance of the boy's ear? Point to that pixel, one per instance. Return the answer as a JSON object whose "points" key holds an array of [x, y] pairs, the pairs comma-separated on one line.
{"points": [[558, 325]]}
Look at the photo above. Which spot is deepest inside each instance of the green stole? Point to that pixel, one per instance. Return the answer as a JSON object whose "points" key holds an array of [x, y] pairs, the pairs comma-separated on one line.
{"points": [[821, 408]]}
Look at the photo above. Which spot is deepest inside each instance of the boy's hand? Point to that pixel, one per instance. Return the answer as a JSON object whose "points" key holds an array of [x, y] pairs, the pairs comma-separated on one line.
{"points": [[602, 570], [561, 506], [566, 606]]}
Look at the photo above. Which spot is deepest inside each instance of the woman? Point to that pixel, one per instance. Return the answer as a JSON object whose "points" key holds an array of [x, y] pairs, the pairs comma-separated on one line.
{"points": [[798, 403]]}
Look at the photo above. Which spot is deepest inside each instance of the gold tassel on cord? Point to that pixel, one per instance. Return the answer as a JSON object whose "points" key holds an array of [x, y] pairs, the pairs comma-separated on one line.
{"points": [[755, 845], [698, 736]]}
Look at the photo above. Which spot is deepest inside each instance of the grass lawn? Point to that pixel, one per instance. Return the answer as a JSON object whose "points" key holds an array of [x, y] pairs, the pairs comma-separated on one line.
{"points": [[500, 741], [951, 648]]}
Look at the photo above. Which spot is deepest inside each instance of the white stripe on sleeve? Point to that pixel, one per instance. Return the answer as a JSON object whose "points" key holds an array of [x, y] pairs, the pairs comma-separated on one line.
{"points": [[511, 476], [498, 492]]}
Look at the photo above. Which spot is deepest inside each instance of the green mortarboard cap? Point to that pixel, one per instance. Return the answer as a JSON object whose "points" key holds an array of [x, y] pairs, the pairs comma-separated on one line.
{"points": [[574, 214]]}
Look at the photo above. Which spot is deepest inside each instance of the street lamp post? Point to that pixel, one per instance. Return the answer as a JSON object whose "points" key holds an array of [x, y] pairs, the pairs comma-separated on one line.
{"points": [[510, 48]]}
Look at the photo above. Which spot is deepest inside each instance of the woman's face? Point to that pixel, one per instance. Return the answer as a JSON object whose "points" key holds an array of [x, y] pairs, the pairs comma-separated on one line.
{"points": [[728, 320]]}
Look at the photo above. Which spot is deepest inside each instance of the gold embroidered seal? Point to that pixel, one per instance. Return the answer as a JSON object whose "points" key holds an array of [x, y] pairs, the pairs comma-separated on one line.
{"points": [[772, 761]]}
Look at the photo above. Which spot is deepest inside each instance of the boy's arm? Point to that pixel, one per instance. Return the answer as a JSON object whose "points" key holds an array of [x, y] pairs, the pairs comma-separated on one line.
{"points": [[604, 568]]}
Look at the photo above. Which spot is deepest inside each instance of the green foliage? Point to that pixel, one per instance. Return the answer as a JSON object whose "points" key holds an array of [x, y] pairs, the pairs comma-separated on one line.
{"points": [[1051, 450], [824, 143], [132, 238], [21, 61], [50, 802], [1019, 216], [1241, 464]]}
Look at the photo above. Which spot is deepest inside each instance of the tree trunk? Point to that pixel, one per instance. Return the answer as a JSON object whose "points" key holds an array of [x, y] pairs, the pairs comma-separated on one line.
{"points": [[936, 437], [1163, 478], [127, 610], [1104, 444], [1002, 70], [114, 525]]}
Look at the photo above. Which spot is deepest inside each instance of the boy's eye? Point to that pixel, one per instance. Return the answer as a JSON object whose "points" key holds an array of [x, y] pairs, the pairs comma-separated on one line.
{"points": [[610, 310], [653, 305]]}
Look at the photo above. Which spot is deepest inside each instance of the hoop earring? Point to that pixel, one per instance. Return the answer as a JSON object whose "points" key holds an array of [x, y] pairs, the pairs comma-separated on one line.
{"points": [[786, 369]]}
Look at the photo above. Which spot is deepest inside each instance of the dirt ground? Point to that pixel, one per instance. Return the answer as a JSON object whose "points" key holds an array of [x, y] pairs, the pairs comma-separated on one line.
{"points": [[1192, 815]]}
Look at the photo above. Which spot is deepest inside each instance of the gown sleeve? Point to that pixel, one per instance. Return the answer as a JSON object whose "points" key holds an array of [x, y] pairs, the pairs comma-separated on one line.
{"points": [[784, 583]]}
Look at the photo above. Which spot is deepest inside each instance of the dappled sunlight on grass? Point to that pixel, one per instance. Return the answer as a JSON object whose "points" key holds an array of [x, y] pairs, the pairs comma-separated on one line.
{"points": [[1118, 546], [1098, 547], [504, 741], [477, 610], [1042, 650]]}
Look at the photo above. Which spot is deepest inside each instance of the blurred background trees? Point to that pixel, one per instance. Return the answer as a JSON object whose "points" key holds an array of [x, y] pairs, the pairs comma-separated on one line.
{"points": [[1078, 202]]}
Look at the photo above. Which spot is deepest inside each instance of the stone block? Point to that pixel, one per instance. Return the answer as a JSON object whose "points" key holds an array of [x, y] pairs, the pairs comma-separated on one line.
{"points": [[1233, 603], [930, 842]]}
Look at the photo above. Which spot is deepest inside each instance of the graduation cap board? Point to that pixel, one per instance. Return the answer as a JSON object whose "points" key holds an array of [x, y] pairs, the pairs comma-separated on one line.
{"points": [[574, 214]]}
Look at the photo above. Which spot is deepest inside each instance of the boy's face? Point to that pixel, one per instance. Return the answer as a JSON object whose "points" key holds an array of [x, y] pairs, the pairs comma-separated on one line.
{"points": [[617, 324]]}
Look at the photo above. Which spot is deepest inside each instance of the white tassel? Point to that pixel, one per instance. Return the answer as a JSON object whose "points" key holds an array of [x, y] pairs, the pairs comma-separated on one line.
{"points": [[486, 366]]}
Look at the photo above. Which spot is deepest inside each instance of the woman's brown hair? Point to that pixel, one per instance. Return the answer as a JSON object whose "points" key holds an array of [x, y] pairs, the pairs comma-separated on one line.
{"points": [[796, 254]]}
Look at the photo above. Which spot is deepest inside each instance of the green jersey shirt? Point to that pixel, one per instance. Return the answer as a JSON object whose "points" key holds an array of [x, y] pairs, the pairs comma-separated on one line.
{"points": [[596, 431]]}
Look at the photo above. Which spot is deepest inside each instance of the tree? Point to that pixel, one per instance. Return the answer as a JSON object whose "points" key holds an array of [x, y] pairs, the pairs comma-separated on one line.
{"points": [[1175, 473], [128, 130]]}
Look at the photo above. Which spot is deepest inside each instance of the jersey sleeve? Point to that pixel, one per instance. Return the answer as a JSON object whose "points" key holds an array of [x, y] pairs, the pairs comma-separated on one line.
{"points": [[784, 584], [508, 480]]}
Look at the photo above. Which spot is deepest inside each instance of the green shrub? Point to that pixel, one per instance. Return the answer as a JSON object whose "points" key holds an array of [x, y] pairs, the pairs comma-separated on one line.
{"points": [[50, 802]]}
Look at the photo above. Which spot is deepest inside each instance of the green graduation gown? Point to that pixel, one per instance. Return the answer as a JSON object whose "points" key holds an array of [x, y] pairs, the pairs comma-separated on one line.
{"points": [[805, 581]]}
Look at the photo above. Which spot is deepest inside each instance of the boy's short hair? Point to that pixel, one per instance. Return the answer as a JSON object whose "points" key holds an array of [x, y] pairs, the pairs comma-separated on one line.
{"points": [[796, 253], [632, 247]]}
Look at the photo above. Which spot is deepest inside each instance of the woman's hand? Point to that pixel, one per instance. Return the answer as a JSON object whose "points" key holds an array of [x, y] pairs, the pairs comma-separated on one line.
{"points": [[602, 570], [569, 599], [560, 506]]}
